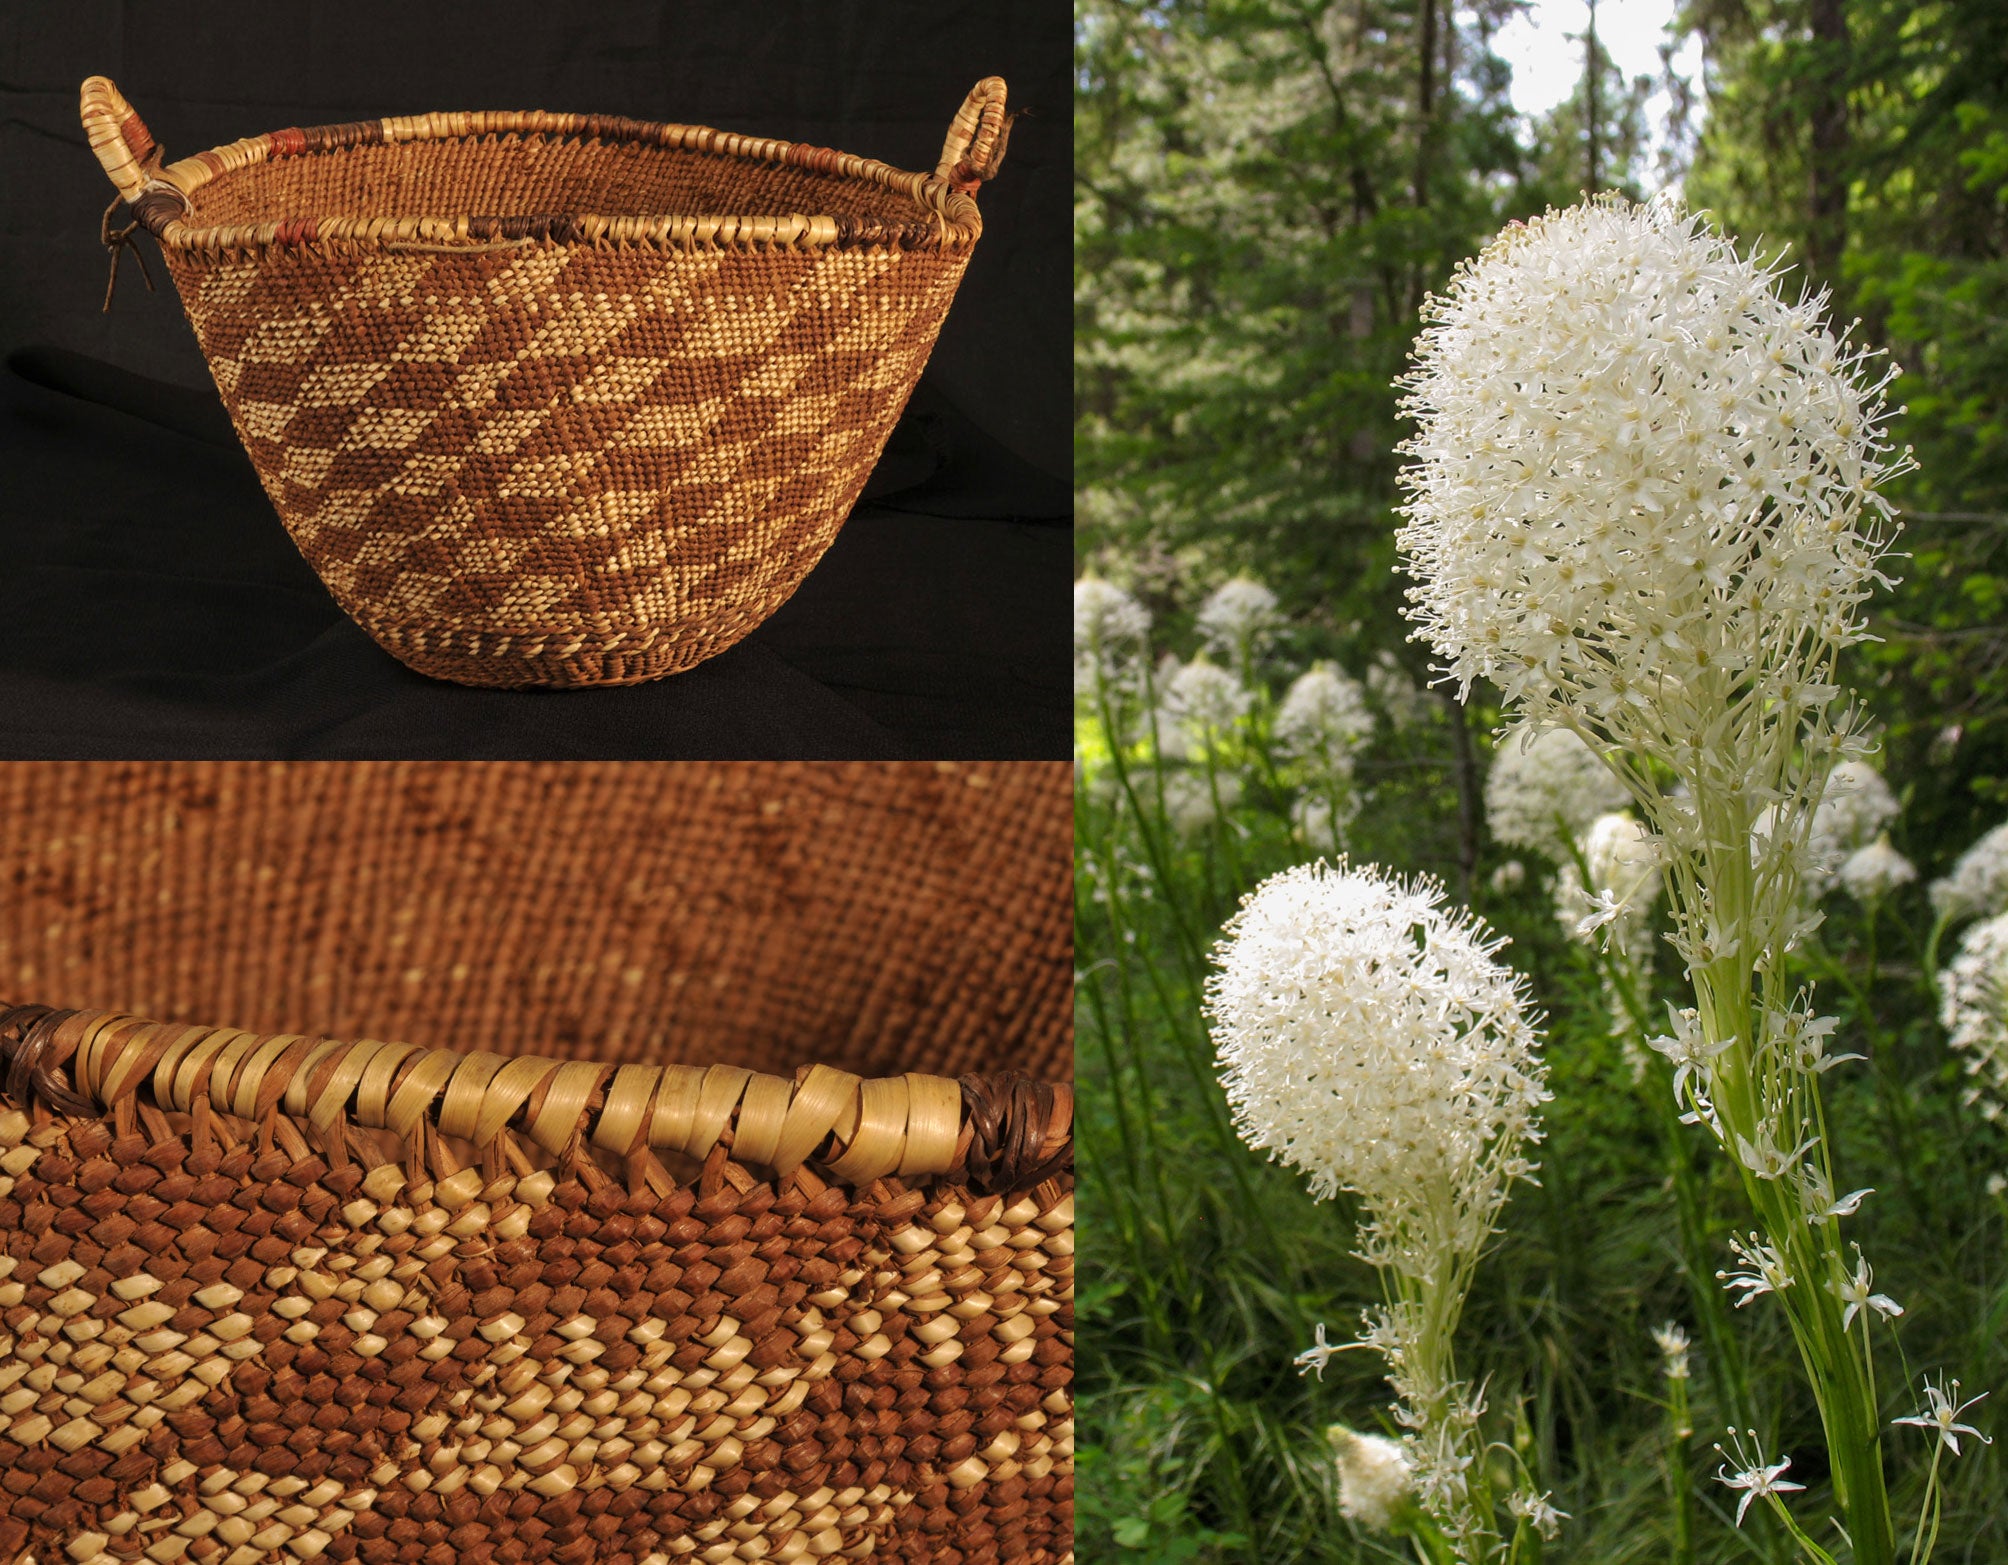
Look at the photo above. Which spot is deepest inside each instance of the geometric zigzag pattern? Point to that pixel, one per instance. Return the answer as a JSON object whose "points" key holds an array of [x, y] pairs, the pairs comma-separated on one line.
{"points": [[223, 1355], [564, 464]]}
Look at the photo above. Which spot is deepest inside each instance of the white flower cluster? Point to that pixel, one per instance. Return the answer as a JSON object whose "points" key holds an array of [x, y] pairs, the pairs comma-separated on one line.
{"points": [[1322, 821], [1636, 468], [1616, 907], [1978, 884], [1388, 683], [1545, 789], [1239, 620], [1855, 805], [1193, 801], [1871, 873], [1973, 1008], [1110, 628], [1199, 706], [1323, 720], [1368, 1037], [1374, 1477]]}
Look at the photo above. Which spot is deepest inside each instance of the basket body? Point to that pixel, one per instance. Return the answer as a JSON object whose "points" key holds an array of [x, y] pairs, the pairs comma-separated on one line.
{"points": [[568, 464], [532, 415]]}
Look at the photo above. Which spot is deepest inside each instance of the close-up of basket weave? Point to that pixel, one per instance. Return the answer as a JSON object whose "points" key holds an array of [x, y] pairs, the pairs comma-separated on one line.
{"points": [[712, 1202], [556, 399]]}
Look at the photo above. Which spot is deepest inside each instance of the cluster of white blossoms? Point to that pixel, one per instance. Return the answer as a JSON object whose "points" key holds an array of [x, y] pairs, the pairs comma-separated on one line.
{"points": [[1199, 704], [1388, 683], [1545, 790], [1320, 727], [1193, 801], [1323, 820], [1637, 468], [1239, 620], [1623, 861], [1374, 1477], [1973, 1008], [1110, 629], [1855, 805], [1871, 873], [1368, 1037], [1323, 720], [1978, 884], [1643, 499]]}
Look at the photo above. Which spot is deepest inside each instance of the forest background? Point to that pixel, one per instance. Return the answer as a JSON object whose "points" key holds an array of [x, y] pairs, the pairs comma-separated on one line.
{"points": [[1265, 191]]}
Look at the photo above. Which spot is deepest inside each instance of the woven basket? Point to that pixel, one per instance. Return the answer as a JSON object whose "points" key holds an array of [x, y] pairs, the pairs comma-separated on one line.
{"points": [[269, 1295], [532, 415]]}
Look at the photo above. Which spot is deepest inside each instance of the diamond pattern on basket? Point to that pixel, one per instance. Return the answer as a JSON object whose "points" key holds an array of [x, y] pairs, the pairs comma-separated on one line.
{"points": [[347, 1364], [529, 447]]}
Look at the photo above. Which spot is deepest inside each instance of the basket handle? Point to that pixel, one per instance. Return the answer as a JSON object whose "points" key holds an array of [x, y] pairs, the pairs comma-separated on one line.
{"points": [[976, 137], [118, 136]]}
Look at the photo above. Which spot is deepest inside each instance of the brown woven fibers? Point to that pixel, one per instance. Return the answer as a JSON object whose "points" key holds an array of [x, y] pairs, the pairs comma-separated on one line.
{"points": [[878, 917], [557, 399]]}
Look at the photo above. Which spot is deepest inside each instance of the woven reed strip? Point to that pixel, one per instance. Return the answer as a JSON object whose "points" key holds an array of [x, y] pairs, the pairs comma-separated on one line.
{"points": [[1014, 1135]]}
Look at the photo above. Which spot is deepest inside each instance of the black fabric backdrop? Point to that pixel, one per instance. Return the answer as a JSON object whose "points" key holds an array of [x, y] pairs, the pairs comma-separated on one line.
{"points": [[156, 607]]}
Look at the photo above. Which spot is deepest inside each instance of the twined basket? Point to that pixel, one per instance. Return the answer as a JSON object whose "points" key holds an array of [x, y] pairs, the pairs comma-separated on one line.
{"points": [[557, 399], [273, 1294]]}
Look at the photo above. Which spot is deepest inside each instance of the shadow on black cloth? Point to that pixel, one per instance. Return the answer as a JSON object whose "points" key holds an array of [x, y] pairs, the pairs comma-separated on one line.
{"points": [[155, 607]]}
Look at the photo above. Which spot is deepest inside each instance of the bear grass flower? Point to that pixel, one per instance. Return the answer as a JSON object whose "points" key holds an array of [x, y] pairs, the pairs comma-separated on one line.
{"points": [[1201, 704], [1546, 789], [1869, 874], [1643, 499], [1323, 720], [1374, 1478], [1368, 1037], [1623, 864], [1973, 1008], [1640, 474], [1978, 884], [1238, 621], [1110, 628]]}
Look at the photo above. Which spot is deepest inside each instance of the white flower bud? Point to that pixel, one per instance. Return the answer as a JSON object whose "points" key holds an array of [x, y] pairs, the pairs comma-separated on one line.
{"points": [[1374, 1477]]}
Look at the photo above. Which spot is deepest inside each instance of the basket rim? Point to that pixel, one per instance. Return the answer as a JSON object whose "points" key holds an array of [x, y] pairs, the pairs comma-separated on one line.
{"points": [[997, 1134], [945, 212]]}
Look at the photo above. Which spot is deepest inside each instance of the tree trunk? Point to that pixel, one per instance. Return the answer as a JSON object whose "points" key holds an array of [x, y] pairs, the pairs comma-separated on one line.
{"points": [[1425, 137], [1591, 73], [1827, 177]]}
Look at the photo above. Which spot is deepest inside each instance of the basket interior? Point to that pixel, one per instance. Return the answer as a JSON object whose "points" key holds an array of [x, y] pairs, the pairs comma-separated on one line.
{"points": [[534, 175], [880, 918]]}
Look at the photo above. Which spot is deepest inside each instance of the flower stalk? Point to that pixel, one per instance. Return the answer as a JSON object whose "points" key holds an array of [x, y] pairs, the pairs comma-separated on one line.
{"points": [[1645, 503]]}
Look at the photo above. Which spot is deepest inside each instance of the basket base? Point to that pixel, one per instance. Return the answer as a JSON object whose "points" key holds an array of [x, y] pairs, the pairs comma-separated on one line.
{"points": [[539, 660]]}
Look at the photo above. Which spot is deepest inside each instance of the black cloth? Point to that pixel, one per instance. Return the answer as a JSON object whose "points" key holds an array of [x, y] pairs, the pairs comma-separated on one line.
{"points": [[155, 604]]}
